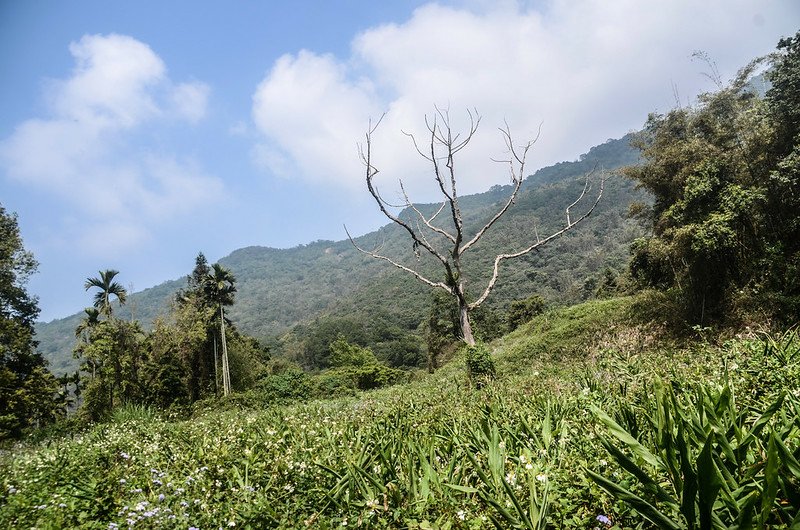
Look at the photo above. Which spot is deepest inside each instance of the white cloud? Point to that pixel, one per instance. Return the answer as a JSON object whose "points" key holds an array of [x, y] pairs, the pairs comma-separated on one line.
{"points": [[588, 70], [315, 112], [86, 152], [112, 81], [191, 100]]}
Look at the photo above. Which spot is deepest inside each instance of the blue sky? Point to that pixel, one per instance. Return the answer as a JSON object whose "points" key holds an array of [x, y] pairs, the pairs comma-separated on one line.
{"points": [[135, 134]]}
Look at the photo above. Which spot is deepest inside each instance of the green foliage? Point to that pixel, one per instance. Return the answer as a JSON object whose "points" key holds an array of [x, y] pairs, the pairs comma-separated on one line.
{"points": [[784, 94], [519, 453], [345, 354], [114, 358], [285, 386], [355, 367], [724, 463], [480, 366], [441, 329], [724, 177], [762, 367], [317, 351], [27, 387], [522, 311], [107, 288]]}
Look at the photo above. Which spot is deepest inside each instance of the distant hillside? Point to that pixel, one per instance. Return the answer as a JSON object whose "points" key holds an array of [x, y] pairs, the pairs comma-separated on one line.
{"points": [[281, 288]]}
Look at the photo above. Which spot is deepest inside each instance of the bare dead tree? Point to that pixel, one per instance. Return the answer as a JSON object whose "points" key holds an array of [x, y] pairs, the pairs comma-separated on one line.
{"points": [[440, 152]]}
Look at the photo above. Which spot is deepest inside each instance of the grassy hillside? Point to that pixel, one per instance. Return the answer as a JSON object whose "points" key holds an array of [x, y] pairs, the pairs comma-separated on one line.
{"points": [[437, 453], [281, 288]]}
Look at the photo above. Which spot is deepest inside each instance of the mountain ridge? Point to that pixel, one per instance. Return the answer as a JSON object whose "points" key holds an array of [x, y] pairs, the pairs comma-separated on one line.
{"points": [[279, 289]]}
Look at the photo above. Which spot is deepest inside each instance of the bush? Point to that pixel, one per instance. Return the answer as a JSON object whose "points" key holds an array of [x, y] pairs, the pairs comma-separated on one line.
{"points": [[480, 366], [288, 385], [522, 311]]}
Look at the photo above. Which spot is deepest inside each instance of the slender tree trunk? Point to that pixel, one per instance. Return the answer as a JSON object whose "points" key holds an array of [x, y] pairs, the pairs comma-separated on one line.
{"points": [[216, 369], [226, 374]]}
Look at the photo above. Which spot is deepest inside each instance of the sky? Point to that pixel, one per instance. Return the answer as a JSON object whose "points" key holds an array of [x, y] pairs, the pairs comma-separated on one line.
{"points": [[134, 135]]}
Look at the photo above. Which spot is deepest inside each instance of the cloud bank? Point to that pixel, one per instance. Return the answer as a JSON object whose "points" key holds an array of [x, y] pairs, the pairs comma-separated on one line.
{"points": [[88, 149], [587, 70]]}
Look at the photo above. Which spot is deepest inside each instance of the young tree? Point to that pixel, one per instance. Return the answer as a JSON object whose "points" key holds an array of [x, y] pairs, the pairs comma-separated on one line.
{"points": [[26, 387], [447, 242], [84, 333]]}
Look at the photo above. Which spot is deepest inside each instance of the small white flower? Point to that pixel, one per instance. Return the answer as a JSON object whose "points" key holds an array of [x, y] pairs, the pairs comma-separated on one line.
{"points": [[541, 477]]}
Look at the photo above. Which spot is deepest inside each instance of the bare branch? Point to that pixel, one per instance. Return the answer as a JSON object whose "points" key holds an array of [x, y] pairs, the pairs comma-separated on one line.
{"points": [[409, 270], [371, 171], [539, 243], [414, 141], [516, 179], [427, 222], [585, 189]]}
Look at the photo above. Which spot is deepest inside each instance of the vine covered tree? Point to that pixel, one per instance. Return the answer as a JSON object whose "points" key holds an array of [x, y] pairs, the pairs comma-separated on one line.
{"points": [[26, 386], [448, 240], [194, 315]]}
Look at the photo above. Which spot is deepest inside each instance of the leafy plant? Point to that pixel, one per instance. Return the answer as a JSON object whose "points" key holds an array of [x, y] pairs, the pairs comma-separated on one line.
{"points": [[709, 464], [480, 366]]}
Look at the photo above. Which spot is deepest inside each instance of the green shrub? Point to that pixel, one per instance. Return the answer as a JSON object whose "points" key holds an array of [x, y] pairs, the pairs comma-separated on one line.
{"points": [[345, 354], [332, 383], [289, 385], [480, 366], [522, 311]]}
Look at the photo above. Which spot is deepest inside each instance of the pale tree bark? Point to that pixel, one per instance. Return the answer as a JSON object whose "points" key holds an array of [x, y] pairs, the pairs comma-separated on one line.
{"points": [[440, 152], [226, 374]]}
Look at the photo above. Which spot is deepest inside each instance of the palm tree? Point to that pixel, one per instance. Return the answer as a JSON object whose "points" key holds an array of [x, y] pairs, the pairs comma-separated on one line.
{"points": [[108, 288], [220, 288]]}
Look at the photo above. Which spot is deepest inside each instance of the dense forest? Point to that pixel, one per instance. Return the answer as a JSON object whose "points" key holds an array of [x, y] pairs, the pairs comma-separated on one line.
{"points": [[639, 372]]}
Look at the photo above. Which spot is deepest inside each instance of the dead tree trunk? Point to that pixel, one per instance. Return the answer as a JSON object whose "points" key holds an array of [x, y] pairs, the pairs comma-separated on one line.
{"points": [[440, 153]]}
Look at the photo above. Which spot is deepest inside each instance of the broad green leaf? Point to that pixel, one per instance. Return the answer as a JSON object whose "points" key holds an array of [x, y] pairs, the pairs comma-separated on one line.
{"points": [[623, 436], [770, 479], [709, 483], [640, 505]]}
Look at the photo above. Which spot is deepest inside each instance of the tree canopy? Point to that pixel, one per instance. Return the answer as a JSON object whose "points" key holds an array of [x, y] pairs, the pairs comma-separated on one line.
{"points": [[725, 177], [26, 387]]}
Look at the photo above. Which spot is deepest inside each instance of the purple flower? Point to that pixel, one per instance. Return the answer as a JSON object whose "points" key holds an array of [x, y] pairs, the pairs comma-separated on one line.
{"points": [[603, 519]]}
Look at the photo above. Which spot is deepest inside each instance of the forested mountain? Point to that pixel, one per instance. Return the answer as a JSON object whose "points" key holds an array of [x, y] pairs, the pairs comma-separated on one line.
{"points": [[289, 292]]}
